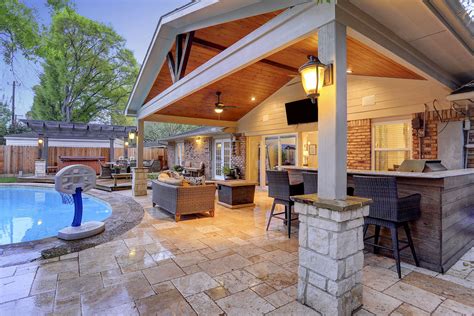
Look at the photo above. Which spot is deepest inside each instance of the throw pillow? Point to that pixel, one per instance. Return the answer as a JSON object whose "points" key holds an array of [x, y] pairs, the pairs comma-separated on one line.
{"points": [[172, 181], [170, 177], [196, 180]]}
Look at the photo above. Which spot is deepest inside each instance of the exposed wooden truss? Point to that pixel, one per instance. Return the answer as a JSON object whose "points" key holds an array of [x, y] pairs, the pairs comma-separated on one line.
{"points": [[177, 67]]}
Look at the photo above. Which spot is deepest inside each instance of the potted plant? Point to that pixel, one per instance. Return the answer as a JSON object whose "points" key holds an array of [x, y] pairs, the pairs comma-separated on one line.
{"points": [[178, 168], [228, 173]]}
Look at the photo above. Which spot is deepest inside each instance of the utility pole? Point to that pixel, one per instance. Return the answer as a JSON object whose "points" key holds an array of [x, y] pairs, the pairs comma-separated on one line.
{"points": [[14, 84]]}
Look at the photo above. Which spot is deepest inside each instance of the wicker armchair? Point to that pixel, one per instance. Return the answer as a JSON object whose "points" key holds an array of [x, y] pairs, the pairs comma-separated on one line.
{"points": [[152, 165], [280, 190], [181, 200], [310, 180], [105, 171], [388, 210]]}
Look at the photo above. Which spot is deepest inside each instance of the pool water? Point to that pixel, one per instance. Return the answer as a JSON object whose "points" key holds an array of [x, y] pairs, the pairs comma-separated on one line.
{"points": [[31, 213]]}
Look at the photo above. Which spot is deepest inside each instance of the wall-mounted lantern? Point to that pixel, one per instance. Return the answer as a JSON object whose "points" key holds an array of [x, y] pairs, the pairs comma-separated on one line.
{"points": [[131, 135], [314, 75]]}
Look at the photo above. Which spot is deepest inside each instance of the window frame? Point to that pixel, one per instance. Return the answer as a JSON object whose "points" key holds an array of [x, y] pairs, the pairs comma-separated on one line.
{"points": [[387, 122]]}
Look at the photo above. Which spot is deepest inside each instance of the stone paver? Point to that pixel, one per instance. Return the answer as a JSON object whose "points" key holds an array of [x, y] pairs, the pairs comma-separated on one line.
{"points": [[210, 266]]}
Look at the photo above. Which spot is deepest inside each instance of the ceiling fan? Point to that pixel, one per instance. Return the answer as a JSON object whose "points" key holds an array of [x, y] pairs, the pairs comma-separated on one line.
{"points": [[219, 106]]}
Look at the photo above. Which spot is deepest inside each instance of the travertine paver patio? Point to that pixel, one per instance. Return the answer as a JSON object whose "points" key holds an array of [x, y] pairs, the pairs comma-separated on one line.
{"points": [[210, 266]]}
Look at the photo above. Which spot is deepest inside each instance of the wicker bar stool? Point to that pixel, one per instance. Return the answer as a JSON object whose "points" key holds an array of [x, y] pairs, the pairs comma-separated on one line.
{"points": [[310, 180], [388, 210], [280, 190]]}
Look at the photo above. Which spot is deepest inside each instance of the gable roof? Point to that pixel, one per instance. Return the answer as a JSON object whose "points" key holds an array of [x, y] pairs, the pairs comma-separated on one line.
{"points": [[192, 16]]}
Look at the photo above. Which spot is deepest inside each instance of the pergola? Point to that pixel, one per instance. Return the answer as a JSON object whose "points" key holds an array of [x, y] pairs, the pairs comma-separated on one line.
{"points": [[70, 130]]}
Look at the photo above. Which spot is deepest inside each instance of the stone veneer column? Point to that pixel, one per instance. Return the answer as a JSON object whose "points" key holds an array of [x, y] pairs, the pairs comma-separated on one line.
{"points": [[330, 253], [139, 181]]}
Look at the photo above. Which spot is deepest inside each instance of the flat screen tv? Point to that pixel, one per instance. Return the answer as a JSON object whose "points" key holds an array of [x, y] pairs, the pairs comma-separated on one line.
{"points": [[302, 111]]}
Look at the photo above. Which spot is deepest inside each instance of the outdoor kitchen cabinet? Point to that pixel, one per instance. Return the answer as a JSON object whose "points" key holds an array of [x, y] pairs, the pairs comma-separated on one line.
{"points": [[445, 230]]}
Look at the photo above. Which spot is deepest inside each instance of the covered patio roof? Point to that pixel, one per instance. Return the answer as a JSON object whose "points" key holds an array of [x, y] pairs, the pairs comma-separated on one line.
{"points": [[373, 49]]}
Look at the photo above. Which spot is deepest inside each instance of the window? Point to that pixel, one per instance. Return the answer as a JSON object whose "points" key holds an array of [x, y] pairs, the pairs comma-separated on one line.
{"points": [[391, 144], [280, 151], [179, 154]]}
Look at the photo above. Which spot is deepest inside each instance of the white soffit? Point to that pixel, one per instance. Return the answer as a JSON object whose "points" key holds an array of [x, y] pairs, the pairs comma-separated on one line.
{"points": [[414, 22]]}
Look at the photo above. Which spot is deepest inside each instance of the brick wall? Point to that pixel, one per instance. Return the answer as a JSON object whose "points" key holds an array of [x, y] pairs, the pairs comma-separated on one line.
{"points": [[429, 143], [359, 144], [199, 150], [239, 154]]}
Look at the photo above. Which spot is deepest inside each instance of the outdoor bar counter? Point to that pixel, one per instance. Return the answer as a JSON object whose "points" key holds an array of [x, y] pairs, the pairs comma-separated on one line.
{"points": [[445, 230]]}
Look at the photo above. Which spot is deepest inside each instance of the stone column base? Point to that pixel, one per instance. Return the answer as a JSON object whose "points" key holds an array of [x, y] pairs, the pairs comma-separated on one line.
{"points": [[331, 254], [139, 181]]}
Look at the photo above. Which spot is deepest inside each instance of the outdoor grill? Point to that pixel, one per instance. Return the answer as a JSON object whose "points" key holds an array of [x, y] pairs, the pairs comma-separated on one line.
{"points": [[421, 165]]}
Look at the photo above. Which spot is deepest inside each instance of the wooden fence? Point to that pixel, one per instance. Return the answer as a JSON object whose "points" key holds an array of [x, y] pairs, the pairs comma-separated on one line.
{"points": [[14, 159]]}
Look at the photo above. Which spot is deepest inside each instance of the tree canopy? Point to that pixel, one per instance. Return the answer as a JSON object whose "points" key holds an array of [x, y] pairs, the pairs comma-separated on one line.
{"points": [[5, 117], [154, 131], [87, 71], [19, 31]]}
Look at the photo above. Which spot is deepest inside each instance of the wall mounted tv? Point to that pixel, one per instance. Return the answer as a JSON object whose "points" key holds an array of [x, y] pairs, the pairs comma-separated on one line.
{"points": [[302, 111]]}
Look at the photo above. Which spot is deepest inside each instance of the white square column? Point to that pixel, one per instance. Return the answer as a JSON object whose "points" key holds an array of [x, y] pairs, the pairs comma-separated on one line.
{"points": [[332, 114], [140, 142]]}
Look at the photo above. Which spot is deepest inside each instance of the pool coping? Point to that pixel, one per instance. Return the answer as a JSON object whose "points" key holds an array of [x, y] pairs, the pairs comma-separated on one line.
{"points": [[126, 214]]}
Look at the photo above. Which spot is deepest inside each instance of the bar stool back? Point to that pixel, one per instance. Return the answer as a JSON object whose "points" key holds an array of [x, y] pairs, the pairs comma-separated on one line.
{"points": [[310, 180], [390, 211], [280, 190]]}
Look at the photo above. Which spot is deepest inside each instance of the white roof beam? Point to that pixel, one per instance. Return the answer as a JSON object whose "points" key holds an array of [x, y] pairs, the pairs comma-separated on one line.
{"points": [[190, 120]]}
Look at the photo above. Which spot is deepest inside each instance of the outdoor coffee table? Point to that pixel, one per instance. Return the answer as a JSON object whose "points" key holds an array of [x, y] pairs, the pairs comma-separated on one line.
{"points": [[117, 176], [235, 193]]}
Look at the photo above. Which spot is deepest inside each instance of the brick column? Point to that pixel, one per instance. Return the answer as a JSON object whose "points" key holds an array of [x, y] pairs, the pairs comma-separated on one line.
{"points": [[139, 181], [330, 253]]}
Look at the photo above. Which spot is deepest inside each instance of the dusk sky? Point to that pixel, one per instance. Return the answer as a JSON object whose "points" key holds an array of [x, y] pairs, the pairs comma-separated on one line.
{"points": [[135, 20]]}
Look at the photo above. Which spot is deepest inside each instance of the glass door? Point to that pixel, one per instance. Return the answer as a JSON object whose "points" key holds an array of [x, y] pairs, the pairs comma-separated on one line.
{"points": [[222, 157], [280, 151]]}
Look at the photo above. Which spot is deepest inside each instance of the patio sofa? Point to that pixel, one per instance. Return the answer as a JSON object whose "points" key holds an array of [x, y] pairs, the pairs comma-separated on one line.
{"points": [[181, 200]]}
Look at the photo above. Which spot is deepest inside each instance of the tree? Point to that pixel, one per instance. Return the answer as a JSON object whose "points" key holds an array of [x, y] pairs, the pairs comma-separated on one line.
{"points": [[5, 117], [87, 71], [19, 31], [155, 131]]}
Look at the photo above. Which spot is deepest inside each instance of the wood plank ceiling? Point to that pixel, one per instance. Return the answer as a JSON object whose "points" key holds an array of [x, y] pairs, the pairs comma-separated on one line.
{"points": [[263, 78]]}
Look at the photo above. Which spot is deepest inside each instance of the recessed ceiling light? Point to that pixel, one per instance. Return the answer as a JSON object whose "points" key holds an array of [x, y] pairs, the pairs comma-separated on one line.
{"points": [[252, 98], [349, 71]]}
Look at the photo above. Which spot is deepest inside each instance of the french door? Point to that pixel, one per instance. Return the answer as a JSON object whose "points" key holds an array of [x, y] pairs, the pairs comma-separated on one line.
{"points": [[222, 156]]}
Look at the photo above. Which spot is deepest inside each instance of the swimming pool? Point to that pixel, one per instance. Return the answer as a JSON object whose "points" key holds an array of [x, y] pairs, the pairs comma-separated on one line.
{"points": [[31, 212]]}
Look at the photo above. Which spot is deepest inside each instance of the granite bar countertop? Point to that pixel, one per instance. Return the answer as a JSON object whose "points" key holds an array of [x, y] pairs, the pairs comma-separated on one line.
{"points": [[427, 175], [349, 204]]}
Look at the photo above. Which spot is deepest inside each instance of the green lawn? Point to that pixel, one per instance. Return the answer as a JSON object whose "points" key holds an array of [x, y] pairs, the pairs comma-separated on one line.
{"points": [[8, 180]]}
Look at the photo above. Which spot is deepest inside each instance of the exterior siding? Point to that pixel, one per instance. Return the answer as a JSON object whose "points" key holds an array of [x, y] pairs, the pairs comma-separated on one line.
{"points": [[393, 97]]}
